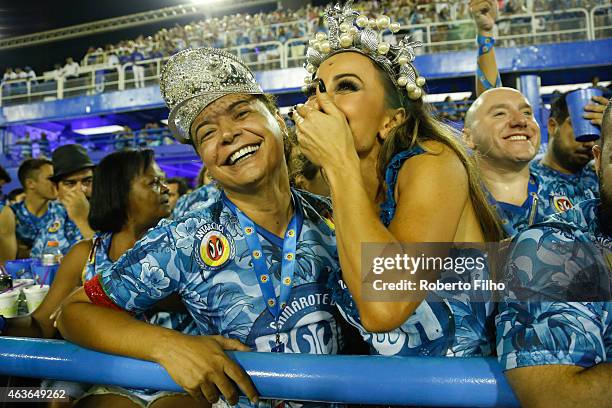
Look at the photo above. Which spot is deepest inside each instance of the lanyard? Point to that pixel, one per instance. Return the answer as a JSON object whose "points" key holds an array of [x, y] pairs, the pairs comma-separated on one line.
{"points": [[532, 204], [274, 305]]}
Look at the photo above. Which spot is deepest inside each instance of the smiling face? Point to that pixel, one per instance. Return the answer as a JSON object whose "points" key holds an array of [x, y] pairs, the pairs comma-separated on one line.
{"points": [[355, 86], [502, 128], [240, 141]]}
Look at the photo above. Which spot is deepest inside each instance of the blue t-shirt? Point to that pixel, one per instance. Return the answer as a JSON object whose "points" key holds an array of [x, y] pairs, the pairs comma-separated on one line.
{"points": [[59, 227], [28, 226], [443, 324], [541, 320], [205, 258], [561, 191], [199, 198]]}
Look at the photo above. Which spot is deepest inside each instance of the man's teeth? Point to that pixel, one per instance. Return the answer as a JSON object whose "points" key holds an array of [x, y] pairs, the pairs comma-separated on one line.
{"points": [[242, 153], [517, 138]]}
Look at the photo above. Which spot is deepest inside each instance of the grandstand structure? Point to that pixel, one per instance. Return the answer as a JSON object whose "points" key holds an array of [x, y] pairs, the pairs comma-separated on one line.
{"points": [[105, 107]]}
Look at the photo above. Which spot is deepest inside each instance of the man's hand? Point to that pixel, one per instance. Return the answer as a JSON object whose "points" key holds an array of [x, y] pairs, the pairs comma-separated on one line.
{"points": [[199, 365], [76, 205], [484, 13], [594, 110]]}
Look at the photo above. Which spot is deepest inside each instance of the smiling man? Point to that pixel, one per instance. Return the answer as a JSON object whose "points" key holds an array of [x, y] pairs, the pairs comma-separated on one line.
{"points": [[229, 260], [501, 129]]}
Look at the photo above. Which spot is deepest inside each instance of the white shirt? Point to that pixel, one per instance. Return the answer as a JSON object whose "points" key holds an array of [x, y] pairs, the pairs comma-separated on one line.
{"points": [[71, 70]]}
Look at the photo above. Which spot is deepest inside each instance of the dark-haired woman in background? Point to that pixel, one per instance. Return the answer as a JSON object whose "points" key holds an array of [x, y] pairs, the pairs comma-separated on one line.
{"points": [[129, 197]]}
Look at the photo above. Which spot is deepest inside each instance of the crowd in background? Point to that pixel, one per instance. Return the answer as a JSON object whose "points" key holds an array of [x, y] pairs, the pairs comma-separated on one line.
{"points": [[283, 24]]}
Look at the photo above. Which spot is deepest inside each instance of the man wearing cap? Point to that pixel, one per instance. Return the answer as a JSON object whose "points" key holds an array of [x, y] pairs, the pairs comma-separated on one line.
{"points": [[73, 176], [251, 268]]}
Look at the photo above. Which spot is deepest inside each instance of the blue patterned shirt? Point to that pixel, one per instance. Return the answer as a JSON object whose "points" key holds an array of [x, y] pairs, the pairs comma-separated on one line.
{"points": [[199, 198], [100, 261], [541, 319], [205, 258], [442, 325], [28, 226], [561, 191], [58, 228]]}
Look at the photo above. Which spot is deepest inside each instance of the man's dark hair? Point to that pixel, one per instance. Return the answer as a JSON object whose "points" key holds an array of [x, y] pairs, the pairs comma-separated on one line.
{"points": [[14, 193], [112, 182], [606, 124], [558, 108], [182, 184], [4, 176], [30, 167]]}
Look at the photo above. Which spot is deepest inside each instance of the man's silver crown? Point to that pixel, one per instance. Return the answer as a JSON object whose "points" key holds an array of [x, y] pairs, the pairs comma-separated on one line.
{"points": [[194, 78], [350, 31]]}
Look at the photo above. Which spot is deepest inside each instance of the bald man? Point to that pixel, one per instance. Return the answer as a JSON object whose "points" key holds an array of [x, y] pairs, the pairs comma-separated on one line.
{"points": [[502, 131]]}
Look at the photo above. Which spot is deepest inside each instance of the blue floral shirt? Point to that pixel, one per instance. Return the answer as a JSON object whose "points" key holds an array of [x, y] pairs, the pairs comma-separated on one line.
{"points": [[28, 226], [443, 324], [99, 261], [59, 227], [205, 258], [552, 266], [199, 198], [560, 191]]}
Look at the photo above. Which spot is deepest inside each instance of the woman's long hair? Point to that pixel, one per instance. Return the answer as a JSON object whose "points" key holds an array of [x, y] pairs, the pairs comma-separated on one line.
{"points": [[420, 125]]}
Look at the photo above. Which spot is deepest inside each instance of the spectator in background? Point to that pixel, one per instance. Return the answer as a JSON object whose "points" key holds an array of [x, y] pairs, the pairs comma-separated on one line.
{"points": [[57, 73], [4, 179], [21, 74], [178, 187], [44, 146], [15, 196], [30, 75], [73, 178], [9, 75], [71, 69], [25, 146], [135, 56], [38, 206]]}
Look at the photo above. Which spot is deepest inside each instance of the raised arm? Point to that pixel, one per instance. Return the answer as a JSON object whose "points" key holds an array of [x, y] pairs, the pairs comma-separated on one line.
{"points": [[484, 13]]}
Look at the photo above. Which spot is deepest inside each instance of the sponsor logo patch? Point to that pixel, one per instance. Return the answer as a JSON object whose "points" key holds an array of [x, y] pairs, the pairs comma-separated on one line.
{"points": [[562, 203], [214, 246]]}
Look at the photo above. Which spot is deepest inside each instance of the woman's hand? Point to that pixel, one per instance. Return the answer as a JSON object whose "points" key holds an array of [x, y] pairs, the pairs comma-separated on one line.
{"points": [[324, 135], [199, 365]]}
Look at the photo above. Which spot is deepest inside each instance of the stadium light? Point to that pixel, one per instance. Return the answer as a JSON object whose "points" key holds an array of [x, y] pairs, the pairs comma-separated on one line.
{"points": [[99, 130]]}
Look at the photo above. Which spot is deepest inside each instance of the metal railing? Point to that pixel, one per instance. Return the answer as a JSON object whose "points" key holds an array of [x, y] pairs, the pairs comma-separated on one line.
{"points": [[601, 22], [516, 30]]}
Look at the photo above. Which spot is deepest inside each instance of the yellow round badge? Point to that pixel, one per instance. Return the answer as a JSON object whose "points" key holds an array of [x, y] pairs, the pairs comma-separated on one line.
{"points": [[55, 226]]}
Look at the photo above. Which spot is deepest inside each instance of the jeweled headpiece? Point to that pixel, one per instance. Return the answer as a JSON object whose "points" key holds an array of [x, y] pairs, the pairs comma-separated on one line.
{"points": [[193, 79], [350, 31]]}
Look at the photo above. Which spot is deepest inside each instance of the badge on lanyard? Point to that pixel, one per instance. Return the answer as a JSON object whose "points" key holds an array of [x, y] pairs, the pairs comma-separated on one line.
{"points": [[274, 305]]}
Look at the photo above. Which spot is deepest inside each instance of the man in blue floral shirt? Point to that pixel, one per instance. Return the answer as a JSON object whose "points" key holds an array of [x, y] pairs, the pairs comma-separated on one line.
{"points": [[38, 207], [565, 170], [251, 268], [554, 328]]}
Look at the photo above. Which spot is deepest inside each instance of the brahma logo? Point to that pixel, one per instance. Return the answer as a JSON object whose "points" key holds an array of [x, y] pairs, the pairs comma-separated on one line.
{"points": [[214, 246], [562, 203]]}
